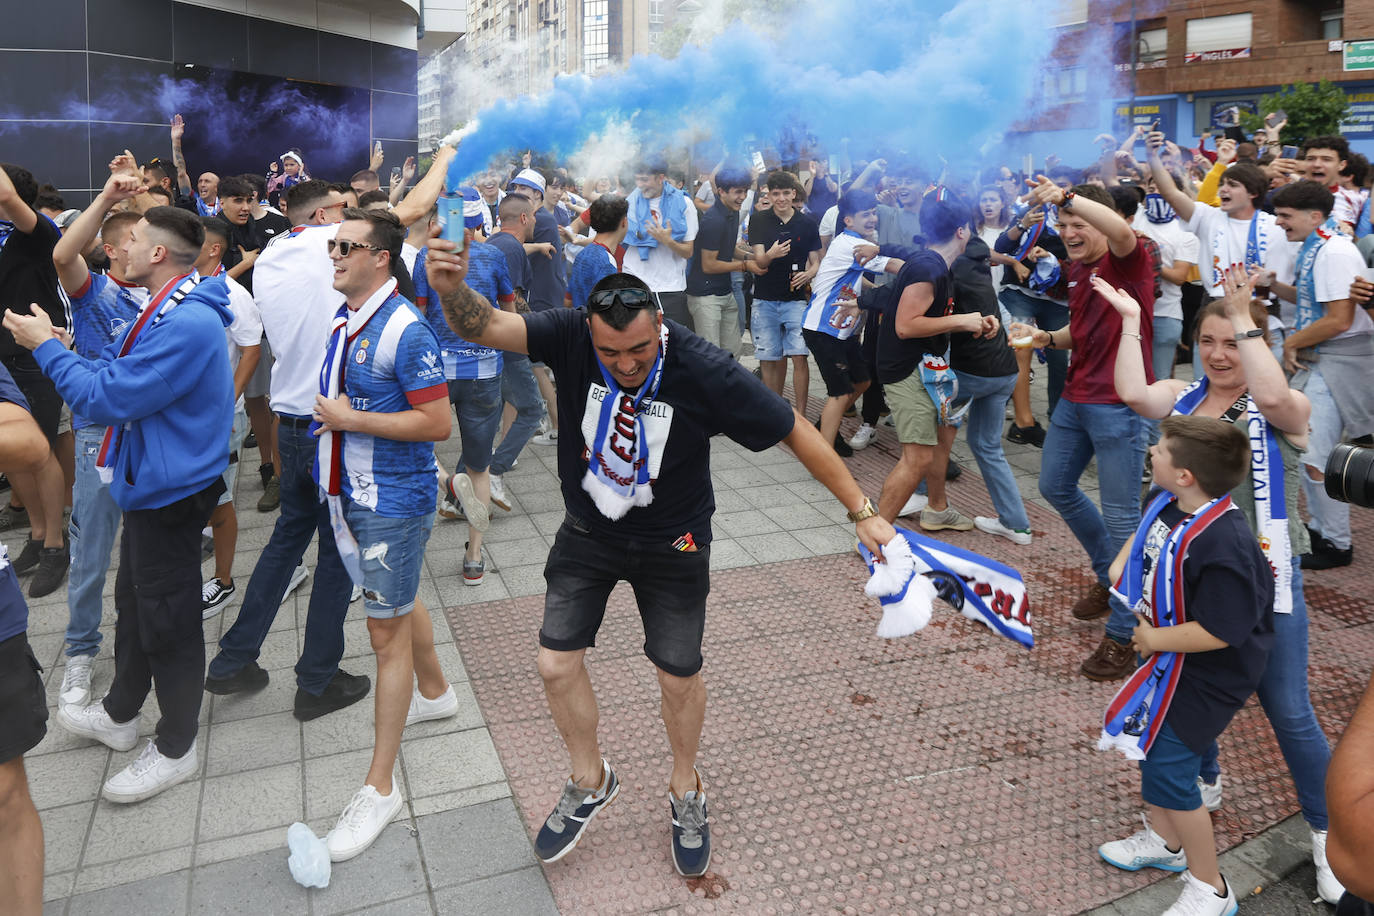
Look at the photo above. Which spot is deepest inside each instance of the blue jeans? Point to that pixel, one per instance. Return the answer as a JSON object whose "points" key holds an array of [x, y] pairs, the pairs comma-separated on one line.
{"points": [[477, 402], [737, 289], [1283, 694], [983, 428], [1113, 433], [1048, 316], [94, 524], [519, 388], [302, 516]]}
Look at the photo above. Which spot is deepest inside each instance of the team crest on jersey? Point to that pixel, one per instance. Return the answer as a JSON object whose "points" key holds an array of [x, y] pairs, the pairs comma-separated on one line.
{"points": [[361, 357], [430, 358]]}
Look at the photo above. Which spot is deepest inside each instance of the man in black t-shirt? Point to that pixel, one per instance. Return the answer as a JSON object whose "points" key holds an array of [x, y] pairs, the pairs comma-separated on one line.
{"points": [[639, 398], [787, 252], [715, 315], [913, 338], [28, 277]]}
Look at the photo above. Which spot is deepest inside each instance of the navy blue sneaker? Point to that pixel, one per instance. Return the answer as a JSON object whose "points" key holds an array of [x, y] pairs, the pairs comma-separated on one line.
{"points": [[574, 811], [691, 832]]}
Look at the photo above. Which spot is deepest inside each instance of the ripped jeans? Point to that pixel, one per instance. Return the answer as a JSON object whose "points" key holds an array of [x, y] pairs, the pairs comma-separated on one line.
{"points": [[393, 553]]}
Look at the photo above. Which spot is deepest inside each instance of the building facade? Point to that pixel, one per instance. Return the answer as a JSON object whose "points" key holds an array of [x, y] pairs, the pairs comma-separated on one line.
{"points": [[1193, 60]]}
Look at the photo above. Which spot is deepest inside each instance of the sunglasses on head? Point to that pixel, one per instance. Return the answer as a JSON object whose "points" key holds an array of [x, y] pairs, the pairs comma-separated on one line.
{"points": [[344, 247], [602, 300]]}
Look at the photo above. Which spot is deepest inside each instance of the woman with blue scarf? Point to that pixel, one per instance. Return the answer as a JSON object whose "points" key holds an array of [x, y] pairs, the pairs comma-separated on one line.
{"points": [[1243, 383]]}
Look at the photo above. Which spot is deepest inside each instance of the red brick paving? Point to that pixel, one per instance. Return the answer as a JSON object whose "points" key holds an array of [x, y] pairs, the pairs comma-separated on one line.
{"points": [[948, 772]]}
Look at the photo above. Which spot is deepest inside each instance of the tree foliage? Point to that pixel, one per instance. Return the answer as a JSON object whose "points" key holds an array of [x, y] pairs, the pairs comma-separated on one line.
{"points": [[1313, 109]]}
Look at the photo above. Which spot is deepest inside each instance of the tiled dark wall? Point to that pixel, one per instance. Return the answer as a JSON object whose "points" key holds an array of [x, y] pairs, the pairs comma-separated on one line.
{"points": [[80, 79]]}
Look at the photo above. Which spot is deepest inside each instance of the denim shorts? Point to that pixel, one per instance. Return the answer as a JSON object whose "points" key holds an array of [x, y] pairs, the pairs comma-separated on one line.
{"points": [[841, 362], [237, 433], [477, 402], [777, 329], [670, 587], [1169, 772], [393, 552]]}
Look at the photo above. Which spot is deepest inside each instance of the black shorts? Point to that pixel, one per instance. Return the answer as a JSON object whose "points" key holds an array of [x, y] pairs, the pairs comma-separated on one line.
{"points": [[670, 588], [44, 402], [841, 362], [23, 702]]}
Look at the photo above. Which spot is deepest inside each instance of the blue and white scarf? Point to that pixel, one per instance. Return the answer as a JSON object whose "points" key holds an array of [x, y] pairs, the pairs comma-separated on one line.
{"points": [[673, 209], [943, 387], [6, 227], [328, 469], [1256, 247], [1309, 309], [1266, 475], [618, 459], [1157, 209], [916, 569], [207, 211], [1136, 714]]}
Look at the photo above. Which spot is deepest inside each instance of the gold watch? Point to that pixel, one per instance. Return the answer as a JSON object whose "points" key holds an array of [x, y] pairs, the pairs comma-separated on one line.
{"points": [[863, 512]]}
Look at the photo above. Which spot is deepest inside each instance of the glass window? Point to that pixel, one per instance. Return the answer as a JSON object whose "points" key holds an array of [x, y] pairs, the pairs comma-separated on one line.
{"points": [[1219, 33]]}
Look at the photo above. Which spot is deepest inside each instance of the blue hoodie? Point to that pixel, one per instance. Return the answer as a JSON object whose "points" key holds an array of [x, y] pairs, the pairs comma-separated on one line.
{"points": [[174, 389]]}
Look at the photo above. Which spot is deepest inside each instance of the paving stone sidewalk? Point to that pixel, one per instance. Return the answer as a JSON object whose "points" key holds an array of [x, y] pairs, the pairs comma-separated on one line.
{"points": [[216, 844]]}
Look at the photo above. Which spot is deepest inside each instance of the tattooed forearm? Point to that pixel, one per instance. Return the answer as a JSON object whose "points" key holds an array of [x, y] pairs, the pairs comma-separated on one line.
{"points": [[468, 313]]}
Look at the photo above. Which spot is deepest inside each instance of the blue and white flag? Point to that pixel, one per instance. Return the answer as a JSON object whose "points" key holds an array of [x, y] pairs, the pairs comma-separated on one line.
{"points": [[916, 569]]}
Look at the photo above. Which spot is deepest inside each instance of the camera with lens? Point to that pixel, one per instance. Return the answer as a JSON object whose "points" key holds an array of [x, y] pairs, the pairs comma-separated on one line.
{"points": [[1350, 474]]}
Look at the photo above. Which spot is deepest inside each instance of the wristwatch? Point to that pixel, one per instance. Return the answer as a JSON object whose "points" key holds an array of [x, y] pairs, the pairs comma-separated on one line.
{"points": [[863, 512], [1253, 332], [1067, 201]]}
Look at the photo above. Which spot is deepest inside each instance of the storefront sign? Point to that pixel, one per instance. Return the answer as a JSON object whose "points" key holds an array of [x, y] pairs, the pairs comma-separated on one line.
{"points": [[1196, 57], [1145, 113], [1359, 55]]}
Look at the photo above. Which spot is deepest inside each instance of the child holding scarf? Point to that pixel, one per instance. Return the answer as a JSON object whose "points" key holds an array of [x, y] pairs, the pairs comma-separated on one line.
{"points": [[1203, 596], [1244, 384]]}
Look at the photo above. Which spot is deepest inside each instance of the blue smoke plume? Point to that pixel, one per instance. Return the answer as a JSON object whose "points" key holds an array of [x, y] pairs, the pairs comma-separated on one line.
{"points": [[933, 77]]}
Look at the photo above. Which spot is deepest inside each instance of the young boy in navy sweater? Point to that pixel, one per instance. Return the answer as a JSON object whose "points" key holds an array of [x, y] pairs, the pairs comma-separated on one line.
{"points": [[1191, 536]]}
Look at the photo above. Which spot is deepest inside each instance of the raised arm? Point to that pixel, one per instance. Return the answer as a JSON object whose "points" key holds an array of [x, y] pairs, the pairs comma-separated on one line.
{"points": [[1183, 204], [1287, 409], [1121, 238], [178, 159], [417, 204], [1153, 401], [66, 256], [468, 313], [13, 208]]}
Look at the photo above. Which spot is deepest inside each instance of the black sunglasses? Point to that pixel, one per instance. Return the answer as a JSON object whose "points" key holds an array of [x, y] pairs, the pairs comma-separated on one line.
{"points": [[602, 300], [345, 247]]}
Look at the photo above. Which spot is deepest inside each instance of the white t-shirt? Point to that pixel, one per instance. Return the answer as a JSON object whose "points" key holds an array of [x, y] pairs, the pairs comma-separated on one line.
{"points": [[664, 271], [246, 329], [1175, 244], [1226, 240], [829, 221], [989, 235], [408, 254], [294, 280], [1338, 263], [1348, 204], [839, 273]]}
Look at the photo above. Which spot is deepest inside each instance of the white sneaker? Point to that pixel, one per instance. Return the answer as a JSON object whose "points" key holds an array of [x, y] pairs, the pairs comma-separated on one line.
{"points": [[498, 492], [355, 594], [1145, 849], [888, 422], [150, 774], [1329, 887], [1201, 899], [460, 485], [862, 437], [441, 707], [362, 822], [298, 576], [76, 681], [1211, 793], [548, 438], [913, 505], [94, 722], [989, 525]]}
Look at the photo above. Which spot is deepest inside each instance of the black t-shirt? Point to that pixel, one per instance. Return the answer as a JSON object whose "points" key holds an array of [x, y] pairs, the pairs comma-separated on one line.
{"points": [[703, 392], [988, 357], [718, 230], [803, 232], [517, 262], [1229, 589], [27, 275], [898, 357], [548, 284]]}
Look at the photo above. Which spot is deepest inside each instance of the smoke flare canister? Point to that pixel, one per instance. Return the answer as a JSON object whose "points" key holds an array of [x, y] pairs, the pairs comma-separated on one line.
{"points": [[450, 218]]}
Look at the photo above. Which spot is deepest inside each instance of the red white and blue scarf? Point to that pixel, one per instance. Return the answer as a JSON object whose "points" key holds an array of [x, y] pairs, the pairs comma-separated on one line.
{"points": [[167, 298], [328, 468], [617, 477], [917, 568], [1309, 309], [1136, 714]]}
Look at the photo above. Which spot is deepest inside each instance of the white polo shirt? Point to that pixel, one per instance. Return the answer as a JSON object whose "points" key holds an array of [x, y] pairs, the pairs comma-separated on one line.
{"points": [[294, 278]]}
